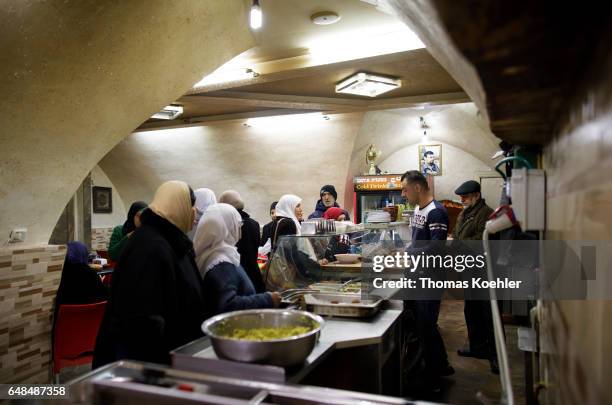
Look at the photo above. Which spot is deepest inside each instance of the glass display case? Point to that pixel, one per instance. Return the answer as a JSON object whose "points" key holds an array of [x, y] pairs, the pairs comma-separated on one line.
{"points": [[301, 261]]}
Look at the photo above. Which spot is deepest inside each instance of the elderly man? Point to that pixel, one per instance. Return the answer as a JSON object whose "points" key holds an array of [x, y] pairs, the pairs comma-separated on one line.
{"points": [[328, 199], [470, 225], [249, 241]]}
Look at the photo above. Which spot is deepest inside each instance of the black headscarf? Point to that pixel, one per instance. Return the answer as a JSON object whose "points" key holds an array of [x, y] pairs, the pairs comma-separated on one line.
{"points": [[128, 225]]}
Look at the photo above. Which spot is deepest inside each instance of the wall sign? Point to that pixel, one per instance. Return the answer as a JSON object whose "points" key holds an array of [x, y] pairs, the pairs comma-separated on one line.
{"points": [[378, 183]]}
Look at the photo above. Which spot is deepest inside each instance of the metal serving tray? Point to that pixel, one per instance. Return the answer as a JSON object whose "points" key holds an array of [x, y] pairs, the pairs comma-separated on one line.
{"points": [[134, 383], [339, 304]]}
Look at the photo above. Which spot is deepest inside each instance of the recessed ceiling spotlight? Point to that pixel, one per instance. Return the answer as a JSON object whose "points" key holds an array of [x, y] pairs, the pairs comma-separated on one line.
{"points": [[325, 18]]}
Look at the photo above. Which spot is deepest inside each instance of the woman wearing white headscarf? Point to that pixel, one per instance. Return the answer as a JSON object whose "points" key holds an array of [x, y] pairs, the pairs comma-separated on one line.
{"points": [[226, 285], [288, 216], [205, 197], [157, 290]]}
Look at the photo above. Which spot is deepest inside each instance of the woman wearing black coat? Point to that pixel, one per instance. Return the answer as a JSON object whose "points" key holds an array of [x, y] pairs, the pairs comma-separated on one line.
{"points": [[156, 301]]}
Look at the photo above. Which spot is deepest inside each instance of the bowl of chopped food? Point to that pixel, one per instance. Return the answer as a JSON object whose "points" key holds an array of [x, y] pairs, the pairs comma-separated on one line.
{"points": [[269, 336]]}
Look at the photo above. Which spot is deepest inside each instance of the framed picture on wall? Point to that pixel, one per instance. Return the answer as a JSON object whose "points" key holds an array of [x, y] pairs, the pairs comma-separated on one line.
{"points": [[102, 198], [430, 159]]}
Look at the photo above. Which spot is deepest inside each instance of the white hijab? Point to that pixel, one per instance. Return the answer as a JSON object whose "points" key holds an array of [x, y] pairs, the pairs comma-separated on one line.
{"points": [[205, 197], [173, 202], [216, 236], [286, 208]]}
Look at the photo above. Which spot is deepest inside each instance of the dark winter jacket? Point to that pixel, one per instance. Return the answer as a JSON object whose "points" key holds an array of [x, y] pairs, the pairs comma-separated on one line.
{"points": [[156, 302], [471, 221], [320, 209], [247, 247], [228, 288], [282, 226], [266, 233]]}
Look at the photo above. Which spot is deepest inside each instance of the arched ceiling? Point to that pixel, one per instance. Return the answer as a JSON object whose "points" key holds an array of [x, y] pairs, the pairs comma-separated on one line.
{"points": [[77, 77]]}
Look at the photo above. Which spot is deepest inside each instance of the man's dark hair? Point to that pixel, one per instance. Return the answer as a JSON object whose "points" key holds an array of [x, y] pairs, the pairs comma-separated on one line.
{"points": [[273, 206], [414, 176], [427, 152]]}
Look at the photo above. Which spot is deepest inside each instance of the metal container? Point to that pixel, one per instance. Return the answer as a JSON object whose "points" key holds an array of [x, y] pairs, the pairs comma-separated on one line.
{"points": [[342, 304], [284, 352]]}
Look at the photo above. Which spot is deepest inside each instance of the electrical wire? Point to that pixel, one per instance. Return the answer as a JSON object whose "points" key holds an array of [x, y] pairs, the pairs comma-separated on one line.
{"points": [[511, 159]]}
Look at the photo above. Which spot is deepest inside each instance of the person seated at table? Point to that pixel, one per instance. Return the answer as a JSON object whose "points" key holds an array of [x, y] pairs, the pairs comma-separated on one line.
{"points": [[122, 233], [156, 301], [79, 284], [226, 285]]}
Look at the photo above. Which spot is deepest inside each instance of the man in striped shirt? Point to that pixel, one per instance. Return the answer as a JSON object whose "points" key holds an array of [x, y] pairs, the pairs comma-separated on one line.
{"points": [[429, 223]]}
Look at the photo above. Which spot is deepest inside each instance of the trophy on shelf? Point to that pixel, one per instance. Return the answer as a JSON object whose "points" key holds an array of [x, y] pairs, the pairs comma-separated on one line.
{"points": [[371, 155]]}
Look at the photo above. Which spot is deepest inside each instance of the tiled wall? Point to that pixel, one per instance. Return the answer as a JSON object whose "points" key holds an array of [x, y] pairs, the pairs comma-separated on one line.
{"points": [[100, 238], [28, 282]]}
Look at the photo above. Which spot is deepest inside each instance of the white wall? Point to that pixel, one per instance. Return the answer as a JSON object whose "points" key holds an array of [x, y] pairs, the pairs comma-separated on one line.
{"points": [[457, 167], [119, 214], [270, 158], [293, 155], [467, 144]]}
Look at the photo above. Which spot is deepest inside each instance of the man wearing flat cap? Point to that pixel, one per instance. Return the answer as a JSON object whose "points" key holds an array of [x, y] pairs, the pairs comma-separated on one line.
{"points": [[328, 195], [470, 225]]}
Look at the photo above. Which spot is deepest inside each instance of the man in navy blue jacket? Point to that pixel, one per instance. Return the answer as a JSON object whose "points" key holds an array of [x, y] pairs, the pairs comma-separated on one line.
{"points": [[429, 224], [328, 195]]}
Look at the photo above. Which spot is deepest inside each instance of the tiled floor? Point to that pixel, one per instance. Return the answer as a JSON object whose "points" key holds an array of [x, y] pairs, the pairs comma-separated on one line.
{"points": [[473, 375]]}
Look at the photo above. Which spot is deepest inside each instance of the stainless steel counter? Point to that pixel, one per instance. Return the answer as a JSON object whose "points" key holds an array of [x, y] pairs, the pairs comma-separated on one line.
{"points": [[374, 340], [130, 383]]}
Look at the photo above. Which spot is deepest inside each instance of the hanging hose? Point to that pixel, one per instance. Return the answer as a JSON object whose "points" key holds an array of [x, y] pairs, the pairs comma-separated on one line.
{"points": [[500, 344], [524, 161]]}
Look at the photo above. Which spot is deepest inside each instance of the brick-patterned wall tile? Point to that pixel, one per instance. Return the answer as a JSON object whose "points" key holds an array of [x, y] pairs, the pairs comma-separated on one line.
{"points": [[28, 282]]}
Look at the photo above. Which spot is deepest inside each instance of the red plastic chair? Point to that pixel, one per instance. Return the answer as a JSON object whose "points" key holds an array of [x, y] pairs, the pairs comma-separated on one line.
{"points": [[74, 339]]}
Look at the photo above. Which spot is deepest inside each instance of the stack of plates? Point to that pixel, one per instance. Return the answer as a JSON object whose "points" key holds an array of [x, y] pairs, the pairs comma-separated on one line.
{"points": [[378, 216]]}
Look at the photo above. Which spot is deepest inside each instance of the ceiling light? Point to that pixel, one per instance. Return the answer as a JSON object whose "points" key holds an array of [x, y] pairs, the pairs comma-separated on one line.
{"points": [[256, 17], [366, 84], [169, 112], [324, 18], [284, 122], [363, 43]]}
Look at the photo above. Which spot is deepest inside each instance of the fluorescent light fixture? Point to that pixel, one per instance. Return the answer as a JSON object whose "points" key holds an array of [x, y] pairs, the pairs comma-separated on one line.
{"points": [[169, 112], [255, 16], [363, 44], [287, 122], [366, 84]]}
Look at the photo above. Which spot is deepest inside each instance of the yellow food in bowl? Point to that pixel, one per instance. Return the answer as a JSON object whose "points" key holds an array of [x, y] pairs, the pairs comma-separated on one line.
{"points": [[268, 333]]}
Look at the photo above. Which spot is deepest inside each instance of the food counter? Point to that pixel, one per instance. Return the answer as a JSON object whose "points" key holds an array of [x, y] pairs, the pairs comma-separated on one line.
{"points": [[369, 348], [133, 383]]}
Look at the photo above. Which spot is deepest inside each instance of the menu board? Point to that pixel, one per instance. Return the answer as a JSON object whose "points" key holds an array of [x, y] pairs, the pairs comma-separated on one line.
{"points": [[387, 182]]}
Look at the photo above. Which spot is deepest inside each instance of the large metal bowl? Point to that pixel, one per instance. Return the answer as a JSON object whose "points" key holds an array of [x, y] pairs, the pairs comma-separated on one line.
{"points": [[284, 352]]}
